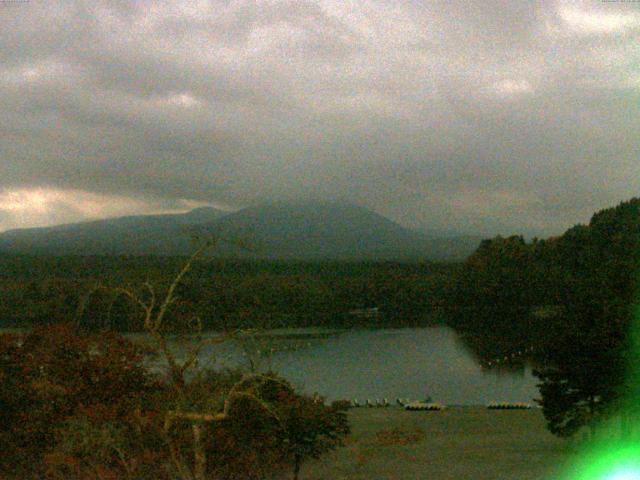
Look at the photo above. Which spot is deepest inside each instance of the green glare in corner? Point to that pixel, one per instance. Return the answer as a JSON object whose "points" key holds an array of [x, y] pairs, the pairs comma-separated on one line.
{"points": [[617, 458], [624, 475], [619, 462]]}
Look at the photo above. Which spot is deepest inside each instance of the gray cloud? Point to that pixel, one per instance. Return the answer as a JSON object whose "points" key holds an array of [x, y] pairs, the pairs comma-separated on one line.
{"points": [[488, 117]]}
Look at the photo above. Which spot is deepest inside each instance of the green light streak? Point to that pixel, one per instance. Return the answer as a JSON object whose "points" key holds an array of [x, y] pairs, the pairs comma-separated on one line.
{"points": [[624, 475], [612, 462], [615, 458]]}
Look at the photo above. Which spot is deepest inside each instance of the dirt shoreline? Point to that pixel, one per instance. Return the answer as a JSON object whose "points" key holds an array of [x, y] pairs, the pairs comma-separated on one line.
{"points": [[459, 443]]}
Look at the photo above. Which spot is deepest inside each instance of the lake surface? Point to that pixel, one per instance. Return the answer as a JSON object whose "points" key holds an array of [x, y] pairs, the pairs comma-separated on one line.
{"points": [[409, 363]]}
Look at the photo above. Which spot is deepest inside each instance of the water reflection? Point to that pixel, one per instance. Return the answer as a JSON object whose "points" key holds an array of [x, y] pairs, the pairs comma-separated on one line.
{"points": [[409, 363]]}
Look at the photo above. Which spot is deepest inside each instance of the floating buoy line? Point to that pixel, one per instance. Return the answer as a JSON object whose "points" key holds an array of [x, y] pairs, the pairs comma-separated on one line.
{"points": [[506, 359], [508, 406], [423, 406], [403, 403], [428, 405]]}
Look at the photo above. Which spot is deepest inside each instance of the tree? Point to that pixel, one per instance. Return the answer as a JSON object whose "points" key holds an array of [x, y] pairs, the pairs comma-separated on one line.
{"points": [[583, 379], [586, 362], [76, 404], [493, 296], [267, 427], [312, 428], [270, 405], [53, 374]]}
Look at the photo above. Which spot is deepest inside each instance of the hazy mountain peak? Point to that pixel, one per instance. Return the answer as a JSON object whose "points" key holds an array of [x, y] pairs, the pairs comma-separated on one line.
{"points": [[312, 229]]}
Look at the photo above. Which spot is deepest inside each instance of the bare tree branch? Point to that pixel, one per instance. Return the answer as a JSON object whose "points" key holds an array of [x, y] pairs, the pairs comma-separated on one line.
{"points": [[169, 298], [154, 325], [84, 300]]}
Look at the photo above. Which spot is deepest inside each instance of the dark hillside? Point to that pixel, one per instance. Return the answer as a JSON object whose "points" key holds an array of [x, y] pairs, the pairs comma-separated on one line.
{"points": [[307, 231]]}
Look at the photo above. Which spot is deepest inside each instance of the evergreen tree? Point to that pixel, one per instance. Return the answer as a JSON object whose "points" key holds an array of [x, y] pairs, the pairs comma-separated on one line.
{"points": [[586, 363]]}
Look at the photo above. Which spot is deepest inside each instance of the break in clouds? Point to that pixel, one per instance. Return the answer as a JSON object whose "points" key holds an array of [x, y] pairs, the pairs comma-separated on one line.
{"points": [[476, 117]]}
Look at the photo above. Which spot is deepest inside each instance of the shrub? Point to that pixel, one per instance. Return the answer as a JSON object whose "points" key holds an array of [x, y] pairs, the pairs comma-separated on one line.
{"points": [[81, 406], [271, 428], [54, 373]]}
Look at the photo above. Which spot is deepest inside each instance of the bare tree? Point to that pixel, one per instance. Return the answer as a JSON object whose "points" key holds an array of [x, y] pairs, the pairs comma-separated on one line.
{"points": [[155, 323]]}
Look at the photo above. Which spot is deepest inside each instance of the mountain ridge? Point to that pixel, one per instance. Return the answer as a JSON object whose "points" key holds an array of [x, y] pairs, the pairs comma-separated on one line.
{"points": [[279, 230]]}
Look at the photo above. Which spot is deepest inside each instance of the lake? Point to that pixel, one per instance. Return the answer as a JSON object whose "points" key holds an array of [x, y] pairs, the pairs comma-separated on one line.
{"points": [[373, 364]]}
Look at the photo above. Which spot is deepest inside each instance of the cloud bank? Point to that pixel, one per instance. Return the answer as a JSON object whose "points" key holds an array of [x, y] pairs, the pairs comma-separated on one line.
{"points": [[478, 117]]}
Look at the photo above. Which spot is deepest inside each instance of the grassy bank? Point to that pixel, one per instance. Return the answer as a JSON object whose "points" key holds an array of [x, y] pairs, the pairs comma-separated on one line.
{"points": [[459, 443]]}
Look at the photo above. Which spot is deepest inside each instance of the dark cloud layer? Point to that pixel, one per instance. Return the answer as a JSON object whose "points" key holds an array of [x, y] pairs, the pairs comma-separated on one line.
{"points": [[493, 116]]}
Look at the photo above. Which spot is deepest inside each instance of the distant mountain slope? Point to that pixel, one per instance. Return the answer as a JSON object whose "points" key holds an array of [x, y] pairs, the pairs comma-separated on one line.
{"points": [[305, 231], [135, 235], [324, 230]]}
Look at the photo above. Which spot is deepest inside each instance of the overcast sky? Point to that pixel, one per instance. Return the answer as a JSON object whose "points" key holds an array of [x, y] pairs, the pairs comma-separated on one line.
{"points": [[458, 115]]}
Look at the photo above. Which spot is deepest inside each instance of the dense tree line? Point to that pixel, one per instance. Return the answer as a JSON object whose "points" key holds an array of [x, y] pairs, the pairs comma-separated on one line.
{"points": [[567, 301], [224, 294]]}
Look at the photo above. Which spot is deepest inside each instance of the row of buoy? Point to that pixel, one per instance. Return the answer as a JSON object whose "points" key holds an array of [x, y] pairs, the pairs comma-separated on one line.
{"points": [[377, 403], [510, 357], [428, 405], [423, 406], [508, 406]]}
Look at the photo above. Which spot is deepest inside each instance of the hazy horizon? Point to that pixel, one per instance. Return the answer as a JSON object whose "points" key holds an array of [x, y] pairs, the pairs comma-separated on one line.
{"points": [[226, 210]]}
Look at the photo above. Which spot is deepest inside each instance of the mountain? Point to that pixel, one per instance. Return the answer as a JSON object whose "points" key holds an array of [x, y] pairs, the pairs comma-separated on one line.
{"points": [[326, 230], [133, 235], [304, 231]]}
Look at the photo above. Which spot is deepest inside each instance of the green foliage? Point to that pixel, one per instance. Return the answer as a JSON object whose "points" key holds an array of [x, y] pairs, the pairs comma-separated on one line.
{"points": [[568, 300], [585, 369], [224, 294], [582, 378], [493, 297]]}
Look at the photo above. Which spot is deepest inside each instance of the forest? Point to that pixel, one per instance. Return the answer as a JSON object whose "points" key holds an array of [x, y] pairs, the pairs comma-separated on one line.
{"points": [[234, 293], [568, 303], [572, 302]]}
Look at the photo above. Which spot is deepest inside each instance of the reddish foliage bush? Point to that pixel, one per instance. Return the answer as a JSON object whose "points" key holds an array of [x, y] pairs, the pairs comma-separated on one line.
{"points": [[77, 406], [54, 373], [262, 439]]}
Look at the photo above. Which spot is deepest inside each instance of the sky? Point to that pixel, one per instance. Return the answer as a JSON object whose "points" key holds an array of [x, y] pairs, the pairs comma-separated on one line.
{"points": [[484, 117]]}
